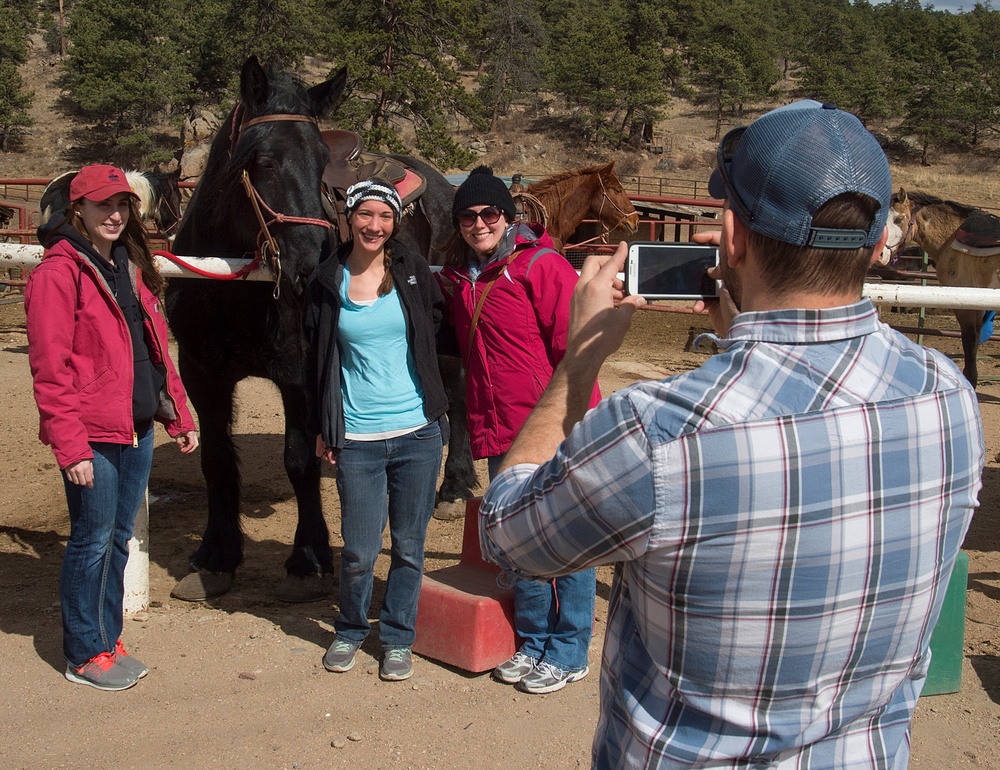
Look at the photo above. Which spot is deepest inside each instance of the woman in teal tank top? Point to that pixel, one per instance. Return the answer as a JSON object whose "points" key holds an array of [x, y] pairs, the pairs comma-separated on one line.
{"points": [[376, 404]]}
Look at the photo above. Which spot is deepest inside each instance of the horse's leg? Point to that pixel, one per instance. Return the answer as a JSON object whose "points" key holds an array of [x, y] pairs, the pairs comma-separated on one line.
{"points": [[971, 323], [459, 473], [310, 567], [221, 549]]}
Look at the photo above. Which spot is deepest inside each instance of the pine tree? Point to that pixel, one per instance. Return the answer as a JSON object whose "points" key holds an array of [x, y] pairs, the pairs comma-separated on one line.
{"points": [[735, 56], [400, 58], [15, 23], [510, 46], [125, 68], [610, 59]]}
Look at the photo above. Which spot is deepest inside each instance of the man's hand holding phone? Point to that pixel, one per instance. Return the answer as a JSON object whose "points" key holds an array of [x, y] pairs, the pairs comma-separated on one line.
{"points": [[722, 310]]}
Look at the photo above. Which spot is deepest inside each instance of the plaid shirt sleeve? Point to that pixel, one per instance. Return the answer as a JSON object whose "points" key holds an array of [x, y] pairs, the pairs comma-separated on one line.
{"points": [[591, 504]]}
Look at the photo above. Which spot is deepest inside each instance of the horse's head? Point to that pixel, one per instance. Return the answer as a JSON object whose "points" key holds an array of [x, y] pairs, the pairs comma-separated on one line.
{"points": [[614, 209], [900, 225], [167, 213], [261, 192], [159, 197]]}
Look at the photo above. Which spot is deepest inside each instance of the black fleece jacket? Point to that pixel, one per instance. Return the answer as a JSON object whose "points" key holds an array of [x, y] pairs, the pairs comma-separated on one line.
{"points": [[423, 310]]}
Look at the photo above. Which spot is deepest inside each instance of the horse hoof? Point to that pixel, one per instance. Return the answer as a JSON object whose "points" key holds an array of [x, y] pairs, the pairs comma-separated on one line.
{"points": [[297, 589], [202, 585], [449, 511]]}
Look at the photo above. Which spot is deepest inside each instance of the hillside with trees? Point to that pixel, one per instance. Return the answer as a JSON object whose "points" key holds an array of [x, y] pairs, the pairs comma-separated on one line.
{"points": [[423, 74]]}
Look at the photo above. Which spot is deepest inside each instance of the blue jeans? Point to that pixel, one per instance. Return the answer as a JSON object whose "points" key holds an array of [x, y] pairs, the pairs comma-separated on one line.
{"points": [[91, 583], [395, 481], [554, 618]]}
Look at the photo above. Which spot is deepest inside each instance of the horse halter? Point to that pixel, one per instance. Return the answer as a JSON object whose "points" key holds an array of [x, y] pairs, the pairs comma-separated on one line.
{"points": [[606, 198], [162, 204], [894, 251], [267, 246]]}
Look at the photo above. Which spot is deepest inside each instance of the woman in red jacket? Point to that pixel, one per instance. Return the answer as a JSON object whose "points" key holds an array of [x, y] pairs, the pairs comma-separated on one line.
{"points": [[97, 347], [509, 300]]}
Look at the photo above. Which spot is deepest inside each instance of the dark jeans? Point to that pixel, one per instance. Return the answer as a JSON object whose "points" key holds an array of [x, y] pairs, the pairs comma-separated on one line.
{"points": [[395, 481], [91, 584]]}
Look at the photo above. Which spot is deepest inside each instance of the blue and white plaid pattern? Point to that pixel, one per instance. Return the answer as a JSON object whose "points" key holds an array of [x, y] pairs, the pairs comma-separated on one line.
{"points": [[783, 522]]}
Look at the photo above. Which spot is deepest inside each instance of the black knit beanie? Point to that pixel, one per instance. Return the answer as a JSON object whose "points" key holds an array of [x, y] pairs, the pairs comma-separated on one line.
{"points": [[481, 188]]}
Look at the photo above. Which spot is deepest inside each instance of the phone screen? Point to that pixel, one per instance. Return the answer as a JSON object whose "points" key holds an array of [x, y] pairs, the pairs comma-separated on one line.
{"points": [[671, 270]]}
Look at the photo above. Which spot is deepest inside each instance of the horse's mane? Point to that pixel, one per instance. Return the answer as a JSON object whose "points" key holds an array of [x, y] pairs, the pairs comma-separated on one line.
{"points": [[545, 184], [141, 186], [921, 199]]}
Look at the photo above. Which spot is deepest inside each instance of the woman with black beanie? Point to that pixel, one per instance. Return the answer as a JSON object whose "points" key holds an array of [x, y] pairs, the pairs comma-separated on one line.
{"points": [[509, 304]]}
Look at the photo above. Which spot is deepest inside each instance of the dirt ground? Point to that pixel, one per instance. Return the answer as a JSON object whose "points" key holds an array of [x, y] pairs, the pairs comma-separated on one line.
{"points": [[238, 682]]}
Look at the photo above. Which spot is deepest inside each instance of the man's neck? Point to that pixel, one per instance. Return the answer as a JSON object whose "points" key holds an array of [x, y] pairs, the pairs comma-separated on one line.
{"points": [[798, 301]]}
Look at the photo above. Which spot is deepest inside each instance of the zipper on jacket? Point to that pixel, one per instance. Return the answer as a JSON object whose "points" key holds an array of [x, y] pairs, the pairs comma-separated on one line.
{"points": [[161, 345], [102, 285]]}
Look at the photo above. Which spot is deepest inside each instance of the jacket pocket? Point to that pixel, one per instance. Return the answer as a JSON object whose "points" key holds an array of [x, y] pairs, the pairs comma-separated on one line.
{"points": [[95, 382]]}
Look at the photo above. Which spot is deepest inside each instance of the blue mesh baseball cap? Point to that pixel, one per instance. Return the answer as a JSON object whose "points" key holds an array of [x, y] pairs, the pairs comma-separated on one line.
{"points": [[778, 171]]}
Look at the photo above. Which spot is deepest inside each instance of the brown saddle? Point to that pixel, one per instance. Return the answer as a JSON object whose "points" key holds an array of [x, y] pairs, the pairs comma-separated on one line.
{"points": [[350, 163], [978, 235]]}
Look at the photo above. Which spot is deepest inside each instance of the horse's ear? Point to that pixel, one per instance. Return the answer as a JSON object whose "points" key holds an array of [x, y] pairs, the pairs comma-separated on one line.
{"points": [[327, 94], [253, 83], [901, 195]]}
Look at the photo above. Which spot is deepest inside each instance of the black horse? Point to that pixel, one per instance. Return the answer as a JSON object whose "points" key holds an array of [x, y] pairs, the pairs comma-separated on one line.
{"points": [[159, 197], [227, 331]]}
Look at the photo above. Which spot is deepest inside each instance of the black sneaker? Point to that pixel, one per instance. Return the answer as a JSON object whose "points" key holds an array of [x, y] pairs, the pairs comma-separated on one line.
{"points": [[340, 657], [397, 664], [102, 672]]}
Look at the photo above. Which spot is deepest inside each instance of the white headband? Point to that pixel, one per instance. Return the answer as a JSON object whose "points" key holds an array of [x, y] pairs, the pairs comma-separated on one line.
{"points": [[373, 190]]}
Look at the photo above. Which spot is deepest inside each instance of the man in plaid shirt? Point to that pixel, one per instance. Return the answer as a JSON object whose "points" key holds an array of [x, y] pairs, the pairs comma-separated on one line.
{"points": [[783, 520]]}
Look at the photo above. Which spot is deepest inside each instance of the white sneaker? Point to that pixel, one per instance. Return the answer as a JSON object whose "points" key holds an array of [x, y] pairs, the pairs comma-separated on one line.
{"points": [[548, 678], [515, 669]]}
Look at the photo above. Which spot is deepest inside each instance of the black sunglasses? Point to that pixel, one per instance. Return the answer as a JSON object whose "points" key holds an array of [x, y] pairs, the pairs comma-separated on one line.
{"points": [[489, 215], [724, 157]]}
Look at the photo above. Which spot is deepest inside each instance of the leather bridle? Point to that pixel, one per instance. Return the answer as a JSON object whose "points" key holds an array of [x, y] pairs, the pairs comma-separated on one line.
{"points": [[908, 234], [606, 198], [267, 246]]}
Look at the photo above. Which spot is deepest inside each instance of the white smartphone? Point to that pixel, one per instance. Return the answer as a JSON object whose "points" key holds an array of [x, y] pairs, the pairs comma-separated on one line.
{"points": [[658, 270]]}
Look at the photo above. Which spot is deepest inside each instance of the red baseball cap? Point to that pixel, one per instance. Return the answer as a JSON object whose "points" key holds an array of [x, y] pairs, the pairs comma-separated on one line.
{"points": [[98, 183]]}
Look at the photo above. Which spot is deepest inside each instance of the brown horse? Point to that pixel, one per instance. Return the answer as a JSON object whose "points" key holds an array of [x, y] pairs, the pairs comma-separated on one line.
{"points": [[932, 224], [586, 193]]}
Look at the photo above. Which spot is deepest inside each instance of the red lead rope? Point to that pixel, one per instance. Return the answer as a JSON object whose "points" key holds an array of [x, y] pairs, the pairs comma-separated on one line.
{"points": [[241, 273]]}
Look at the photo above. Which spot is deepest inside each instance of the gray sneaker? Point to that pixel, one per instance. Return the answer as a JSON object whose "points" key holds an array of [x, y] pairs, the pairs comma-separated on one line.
{"points": [[548, 678], [514, 669], [397, 664], [129, 663], [340, 657], [102, 672]]}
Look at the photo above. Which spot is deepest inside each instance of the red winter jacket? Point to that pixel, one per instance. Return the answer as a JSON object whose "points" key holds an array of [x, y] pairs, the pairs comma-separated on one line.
{"points": [[520, 336], [80, 353]]}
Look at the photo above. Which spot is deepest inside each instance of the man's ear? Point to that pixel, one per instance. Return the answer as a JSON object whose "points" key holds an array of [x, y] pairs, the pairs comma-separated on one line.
{"points": [[734, 237], [877, 253]]}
